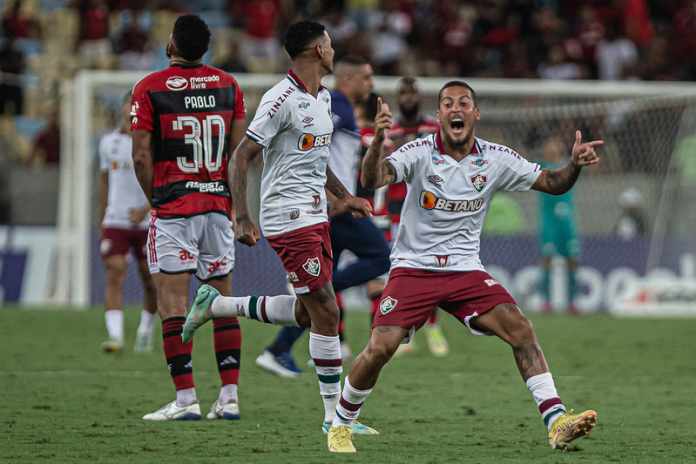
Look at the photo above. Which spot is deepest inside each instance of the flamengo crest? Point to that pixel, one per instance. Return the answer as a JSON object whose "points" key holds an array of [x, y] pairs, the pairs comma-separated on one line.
{"points": [[312, 266], [387, 305], [479, 181]]}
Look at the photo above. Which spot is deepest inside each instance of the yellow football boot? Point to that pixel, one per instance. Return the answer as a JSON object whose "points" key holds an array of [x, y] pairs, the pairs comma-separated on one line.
{"points": [[340, 439], [570, 426]]}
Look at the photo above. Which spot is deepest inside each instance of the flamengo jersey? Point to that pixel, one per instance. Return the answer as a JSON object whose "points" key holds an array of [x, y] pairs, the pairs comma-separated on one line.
{"points": [[447, 200], [294, 129], [189, 110], [124, 191]]}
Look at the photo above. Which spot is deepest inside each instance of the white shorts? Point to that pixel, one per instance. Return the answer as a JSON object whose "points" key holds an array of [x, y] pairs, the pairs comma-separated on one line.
{"points": [[203, 244]]}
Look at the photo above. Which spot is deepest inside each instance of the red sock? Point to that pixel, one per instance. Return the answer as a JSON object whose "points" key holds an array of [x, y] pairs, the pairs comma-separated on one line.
{"points": [[227, 339], [177, 353], [433, 317]]}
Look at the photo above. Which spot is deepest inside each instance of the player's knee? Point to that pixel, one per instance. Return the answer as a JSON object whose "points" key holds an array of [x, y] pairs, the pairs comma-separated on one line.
{"points": [[521, 331], [380, 351]]}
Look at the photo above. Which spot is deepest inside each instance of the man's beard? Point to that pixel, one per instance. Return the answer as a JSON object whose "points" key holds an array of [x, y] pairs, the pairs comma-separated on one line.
{"points": [[409, 113]]}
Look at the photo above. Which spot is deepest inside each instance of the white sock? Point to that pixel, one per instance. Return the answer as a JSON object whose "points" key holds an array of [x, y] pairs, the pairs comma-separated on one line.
{"points": [[348, 407], [114, 324], [228, 393], [546, 398], [278, 310], [146, 322], [326, 353], [186, 396]]}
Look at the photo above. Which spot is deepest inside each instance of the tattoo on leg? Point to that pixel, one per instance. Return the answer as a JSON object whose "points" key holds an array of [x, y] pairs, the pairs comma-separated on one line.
{"points": [[530, 360]]}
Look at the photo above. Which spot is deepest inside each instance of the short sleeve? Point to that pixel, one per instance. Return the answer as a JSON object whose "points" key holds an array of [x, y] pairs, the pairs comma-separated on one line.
{"points": [[268, 121], [141, 108], [103, 155], [516, 173], [239, 104], [404, 162]]}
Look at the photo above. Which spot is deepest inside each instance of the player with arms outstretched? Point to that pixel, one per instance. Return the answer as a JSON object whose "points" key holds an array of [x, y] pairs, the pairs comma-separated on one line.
{"points": [[451, 177], [185, 119], [124, 211], [292, 128]]}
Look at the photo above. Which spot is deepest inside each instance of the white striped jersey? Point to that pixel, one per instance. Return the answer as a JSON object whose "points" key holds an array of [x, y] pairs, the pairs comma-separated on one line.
{"points": [[294, 128], [446, 202]]}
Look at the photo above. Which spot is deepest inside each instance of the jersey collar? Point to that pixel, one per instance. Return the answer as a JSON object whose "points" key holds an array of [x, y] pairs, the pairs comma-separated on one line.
{"points": [[475, 149], [295, 79]]}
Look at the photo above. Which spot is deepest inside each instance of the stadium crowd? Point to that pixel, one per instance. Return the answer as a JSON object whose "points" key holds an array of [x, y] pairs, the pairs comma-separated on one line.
{"points": [[45, 41]]}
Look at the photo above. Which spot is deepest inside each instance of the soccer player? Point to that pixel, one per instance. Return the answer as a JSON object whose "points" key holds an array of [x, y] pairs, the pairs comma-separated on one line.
{"points": [[451, 177], [359, 235], [124, 218], [293, 128], [185, 119], [409, 125], [557, 231]]}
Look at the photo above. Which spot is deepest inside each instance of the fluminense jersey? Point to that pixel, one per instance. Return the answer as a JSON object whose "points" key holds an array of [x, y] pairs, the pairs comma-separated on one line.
{"points": [[294, 129], [345, 144], [446, 203], [190, 111], [124, 191]]}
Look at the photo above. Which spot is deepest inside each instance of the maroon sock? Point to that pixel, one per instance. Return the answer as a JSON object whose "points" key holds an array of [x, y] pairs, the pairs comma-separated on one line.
{"points": [[227, 339], [177, 353]]}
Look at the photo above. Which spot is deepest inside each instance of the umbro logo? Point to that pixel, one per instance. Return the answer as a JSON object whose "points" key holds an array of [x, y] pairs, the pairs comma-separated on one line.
{"points": [[435, 180]]}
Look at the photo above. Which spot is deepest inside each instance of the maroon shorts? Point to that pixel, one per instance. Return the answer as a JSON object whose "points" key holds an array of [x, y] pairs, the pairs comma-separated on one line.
{"points": [[306, 255], [411, 295], [119, 241]]}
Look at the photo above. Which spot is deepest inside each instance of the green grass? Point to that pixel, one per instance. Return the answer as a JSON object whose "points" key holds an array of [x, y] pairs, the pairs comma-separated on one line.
{"points": [[64, 401]]}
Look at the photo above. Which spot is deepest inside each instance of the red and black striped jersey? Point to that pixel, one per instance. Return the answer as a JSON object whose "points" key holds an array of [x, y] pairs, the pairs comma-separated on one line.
{"points": [[190, 111]]}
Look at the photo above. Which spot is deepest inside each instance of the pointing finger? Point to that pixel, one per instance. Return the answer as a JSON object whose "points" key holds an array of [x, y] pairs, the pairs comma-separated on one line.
{"points": [[379, 104]]}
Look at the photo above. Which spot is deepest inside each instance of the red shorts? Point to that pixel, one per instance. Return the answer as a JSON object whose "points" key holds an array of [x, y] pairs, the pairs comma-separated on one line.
{"points": [[411, 295], [116, 242], [306, 255]]}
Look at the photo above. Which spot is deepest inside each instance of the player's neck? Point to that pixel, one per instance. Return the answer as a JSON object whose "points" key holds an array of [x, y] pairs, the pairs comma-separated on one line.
{"points": [[176, 60], [412, 121], [310, 74], [459, 152]]}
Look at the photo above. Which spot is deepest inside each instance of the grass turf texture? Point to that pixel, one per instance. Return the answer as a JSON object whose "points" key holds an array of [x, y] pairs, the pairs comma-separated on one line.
{"points": [[65, 401]]}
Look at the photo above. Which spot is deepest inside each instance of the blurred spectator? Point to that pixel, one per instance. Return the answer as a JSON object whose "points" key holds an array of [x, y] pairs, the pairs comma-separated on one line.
{"points": [[93, 43], [455, 39], [46, 148], [11, 80], [658, 63], [631, 223], [557, 65], [341, 27], [260, 46], [639, 27], [133, 45], [19, 22], [230, 61], [617, 55], [389, 38]]}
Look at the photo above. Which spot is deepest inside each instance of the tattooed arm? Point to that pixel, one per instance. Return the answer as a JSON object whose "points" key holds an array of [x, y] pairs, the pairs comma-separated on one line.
{"points": [[244, 228]]}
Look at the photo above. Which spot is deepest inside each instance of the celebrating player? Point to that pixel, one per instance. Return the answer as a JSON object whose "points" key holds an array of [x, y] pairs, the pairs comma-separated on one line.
{"points": [[409, 125], [359, 235], [124, 210], [293, 128], [185, 118], [451, 177]]}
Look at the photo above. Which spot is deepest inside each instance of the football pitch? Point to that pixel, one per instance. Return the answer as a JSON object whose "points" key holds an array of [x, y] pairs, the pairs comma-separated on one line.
{"points": [[64, 401]]}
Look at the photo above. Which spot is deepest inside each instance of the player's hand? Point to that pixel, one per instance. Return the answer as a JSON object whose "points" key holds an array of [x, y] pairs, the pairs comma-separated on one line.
{"points": [[584, 154], [359, 207], [246, 231], [383, 119], [137, 215], [337, 207]]}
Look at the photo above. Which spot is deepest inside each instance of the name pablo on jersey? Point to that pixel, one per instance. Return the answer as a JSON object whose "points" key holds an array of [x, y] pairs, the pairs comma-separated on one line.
{"points": [[194, 102]]}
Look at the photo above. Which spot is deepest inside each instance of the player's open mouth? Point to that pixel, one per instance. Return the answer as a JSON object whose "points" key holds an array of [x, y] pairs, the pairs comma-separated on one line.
{"points": [[457, 125]]}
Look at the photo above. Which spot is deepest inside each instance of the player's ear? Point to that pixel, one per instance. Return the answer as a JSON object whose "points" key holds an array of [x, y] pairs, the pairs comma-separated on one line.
{"points": [[477, 113]]}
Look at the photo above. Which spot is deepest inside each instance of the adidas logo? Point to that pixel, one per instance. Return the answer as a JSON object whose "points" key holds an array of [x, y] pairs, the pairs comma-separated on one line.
{"points": [[228, 360]]}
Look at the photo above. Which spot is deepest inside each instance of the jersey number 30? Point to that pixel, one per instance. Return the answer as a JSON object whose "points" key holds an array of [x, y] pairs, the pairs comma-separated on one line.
{"points": [[201, 140]]}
